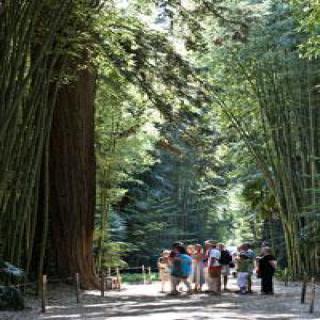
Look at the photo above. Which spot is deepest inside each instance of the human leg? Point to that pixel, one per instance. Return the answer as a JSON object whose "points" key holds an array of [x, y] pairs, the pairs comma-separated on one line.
{"points": [[216, 285], [242, 281], [250, 283], [225, 271], [215, 280], [174, 283], [188, 284], [267, 284], [225, 282]]}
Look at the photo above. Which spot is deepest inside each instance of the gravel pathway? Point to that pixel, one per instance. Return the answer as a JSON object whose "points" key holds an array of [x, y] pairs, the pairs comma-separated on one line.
{"points": [[141, 302]]}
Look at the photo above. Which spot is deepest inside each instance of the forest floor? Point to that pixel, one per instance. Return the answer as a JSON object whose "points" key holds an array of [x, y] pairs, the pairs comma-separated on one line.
{"points": [[140, 302]]}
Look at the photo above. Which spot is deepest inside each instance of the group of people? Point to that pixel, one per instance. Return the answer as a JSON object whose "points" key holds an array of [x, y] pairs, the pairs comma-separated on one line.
{"points": [[211, 265]]}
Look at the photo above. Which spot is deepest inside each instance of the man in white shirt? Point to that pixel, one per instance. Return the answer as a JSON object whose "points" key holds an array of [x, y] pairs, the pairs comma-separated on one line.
{"points": [[214, 268], [215, 256]]}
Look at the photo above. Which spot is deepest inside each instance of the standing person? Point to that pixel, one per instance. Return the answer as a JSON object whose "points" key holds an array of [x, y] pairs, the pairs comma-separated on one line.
{"points": [[225, 261], [190, 251], [252, 257], [164, 269], [266, 268], [174, 263], [243, 266], [181, 267], [214, 269], [197, 266]]}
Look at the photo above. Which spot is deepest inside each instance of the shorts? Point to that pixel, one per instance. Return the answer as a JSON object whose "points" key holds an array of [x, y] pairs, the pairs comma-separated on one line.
{"points": [[214, 272], [242, 279], [225, 271]]}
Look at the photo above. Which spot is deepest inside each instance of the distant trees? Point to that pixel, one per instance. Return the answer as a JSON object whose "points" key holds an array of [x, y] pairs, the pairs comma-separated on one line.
{"points": [[154, 143], [181, 196]]}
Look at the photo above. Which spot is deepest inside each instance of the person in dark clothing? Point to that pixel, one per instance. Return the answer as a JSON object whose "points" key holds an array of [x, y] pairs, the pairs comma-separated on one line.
{"points": [[225, 261], [266, 269]]}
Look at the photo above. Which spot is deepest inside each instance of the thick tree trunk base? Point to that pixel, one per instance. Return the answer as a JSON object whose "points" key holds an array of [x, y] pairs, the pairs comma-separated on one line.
{"points": [[72, 180]]}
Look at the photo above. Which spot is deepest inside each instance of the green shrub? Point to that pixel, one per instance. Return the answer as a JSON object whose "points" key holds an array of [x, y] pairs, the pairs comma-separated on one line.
{"points": [[138, 277]]}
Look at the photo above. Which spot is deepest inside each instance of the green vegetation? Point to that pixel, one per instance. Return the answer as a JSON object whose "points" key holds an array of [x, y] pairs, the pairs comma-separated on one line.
{"points": [[134, 278], [127, 126]]}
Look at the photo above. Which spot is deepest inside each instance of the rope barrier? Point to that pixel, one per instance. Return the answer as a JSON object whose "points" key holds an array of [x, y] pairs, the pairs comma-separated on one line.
{"points": [[35, 283], [306, 296], [24, 285]]}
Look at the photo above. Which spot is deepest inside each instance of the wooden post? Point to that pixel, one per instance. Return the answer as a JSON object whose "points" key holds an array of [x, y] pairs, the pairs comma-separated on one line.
{"points": [[103, 283], [150, 275], [44, 293], [77, 287], [23, 290], [304, 290], [144, 275], [313, 295], [286, 277], [118, 278]]}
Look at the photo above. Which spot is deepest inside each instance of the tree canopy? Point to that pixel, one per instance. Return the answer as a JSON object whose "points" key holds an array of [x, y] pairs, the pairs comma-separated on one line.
{"points": [[128, 125]]}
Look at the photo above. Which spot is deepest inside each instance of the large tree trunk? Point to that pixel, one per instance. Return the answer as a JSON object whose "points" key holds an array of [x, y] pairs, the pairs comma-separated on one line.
{"points": [[72, 180]]}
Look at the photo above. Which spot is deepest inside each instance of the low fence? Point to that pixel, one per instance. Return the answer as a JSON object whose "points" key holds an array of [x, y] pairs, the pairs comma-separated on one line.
{"points": [[109, 280], [112, 279]]}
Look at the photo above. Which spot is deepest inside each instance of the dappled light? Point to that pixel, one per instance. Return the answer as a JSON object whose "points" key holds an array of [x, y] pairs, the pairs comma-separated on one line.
{"points": [[144, 302], [159, 159]]}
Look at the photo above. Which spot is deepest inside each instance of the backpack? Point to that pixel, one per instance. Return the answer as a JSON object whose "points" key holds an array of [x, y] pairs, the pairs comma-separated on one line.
{"points": [[226, 257], [182, 266], [186, 265]]}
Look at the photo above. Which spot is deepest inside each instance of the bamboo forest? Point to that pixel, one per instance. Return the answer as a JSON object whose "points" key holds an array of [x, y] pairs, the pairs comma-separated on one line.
{"points": [[138, 134]]}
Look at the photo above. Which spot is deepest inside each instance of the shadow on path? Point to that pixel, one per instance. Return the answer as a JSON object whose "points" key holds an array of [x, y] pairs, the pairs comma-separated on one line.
{"points": [[144, 302]]}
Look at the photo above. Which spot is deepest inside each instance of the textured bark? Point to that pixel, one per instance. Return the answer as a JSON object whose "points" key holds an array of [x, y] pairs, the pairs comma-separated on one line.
{"points": [[72, 180]]}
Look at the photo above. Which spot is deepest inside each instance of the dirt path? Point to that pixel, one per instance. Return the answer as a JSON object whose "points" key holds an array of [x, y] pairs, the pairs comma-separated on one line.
{"points": [[143, 302]]}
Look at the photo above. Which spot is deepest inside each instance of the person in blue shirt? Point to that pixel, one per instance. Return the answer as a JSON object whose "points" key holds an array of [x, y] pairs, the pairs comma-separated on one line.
{"points": [[181, 268]]}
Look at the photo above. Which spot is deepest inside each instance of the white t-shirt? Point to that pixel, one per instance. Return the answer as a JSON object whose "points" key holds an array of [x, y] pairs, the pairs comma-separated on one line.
{"points": [[216, 254]]}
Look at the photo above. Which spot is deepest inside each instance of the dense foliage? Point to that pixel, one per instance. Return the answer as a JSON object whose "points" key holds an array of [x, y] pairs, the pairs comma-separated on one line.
{"points": [[270, 98], [125, 126]]}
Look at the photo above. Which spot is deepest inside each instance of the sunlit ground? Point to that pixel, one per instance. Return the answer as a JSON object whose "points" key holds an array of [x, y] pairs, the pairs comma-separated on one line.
{"points": [[145, 302]]}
